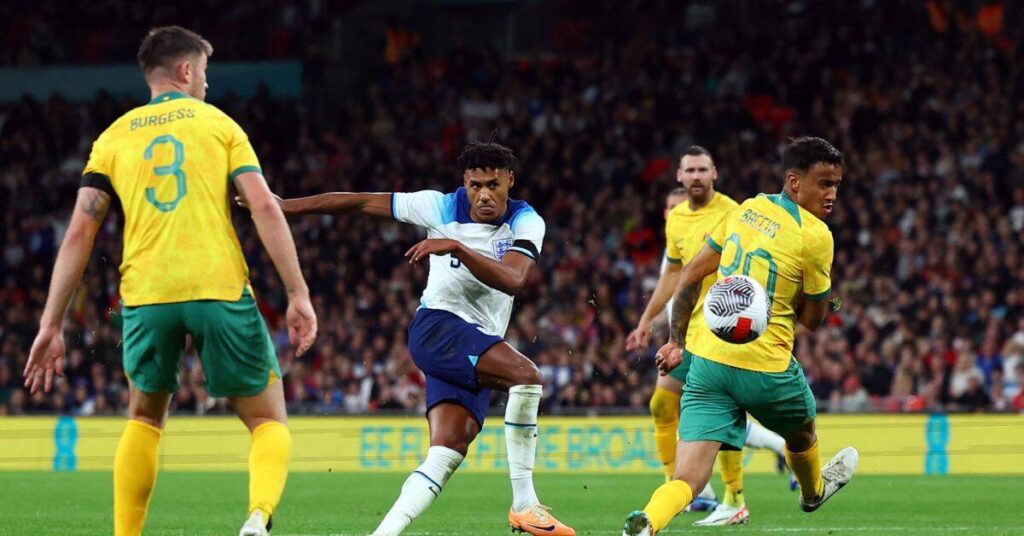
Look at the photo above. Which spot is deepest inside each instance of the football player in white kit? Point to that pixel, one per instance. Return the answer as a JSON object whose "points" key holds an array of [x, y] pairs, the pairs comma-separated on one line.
{"points": [[481, 246]]}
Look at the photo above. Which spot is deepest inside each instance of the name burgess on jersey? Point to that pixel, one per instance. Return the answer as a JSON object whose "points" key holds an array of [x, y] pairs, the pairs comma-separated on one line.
{"points": [[452, 287], [162, 119]]}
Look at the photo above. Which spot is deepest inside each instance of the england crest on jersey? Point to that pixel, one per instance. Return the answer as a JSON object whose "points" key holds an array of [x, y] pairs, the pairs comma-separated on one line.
{"points": [[500, 247]]}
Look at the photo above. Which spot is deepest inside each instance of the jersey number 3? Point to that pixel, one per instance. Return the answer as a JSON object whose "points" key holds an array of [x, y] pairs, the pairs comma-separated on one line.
{"points": [[174, 168]]}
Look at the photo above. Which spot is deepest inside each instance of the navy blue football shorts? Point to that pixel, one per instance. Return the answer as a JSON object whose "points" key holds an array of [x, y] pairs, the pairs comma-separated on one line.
{"points": [[446, 348]]}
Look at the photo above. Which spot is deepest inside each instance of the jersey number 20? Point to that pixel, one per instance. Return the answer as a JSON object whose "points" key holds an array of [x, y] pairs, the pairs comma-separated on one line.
{"points": [[174, 168], [773, 269]]}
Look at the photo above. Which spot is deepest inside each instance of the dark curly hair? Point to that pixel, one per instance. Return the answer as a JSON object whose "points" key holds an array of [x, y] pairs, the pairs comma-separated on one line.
{"points": [[486, 155], [802, 153]]}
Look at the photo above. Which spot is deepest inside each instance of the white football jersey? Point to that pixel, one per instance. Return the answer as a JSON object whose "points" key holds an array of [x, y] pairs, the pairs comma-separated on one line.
{"points": [[450, 285]]}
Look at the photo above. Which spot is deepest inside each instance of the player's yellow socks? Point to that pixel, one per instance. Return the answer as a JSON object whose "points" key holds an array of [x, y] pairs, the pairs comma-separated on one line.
{"points": [[665, 410], [135, 464], [806, 467], [268, 466], [666, 503], [730, 464]]}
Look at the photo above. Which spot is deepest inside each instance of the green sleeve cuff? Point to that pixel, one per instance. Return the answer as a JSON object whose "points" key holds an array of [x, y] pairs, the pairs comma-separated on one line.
{"points": [[819, 296], [714, 245], [673, 261], [243, 169]]}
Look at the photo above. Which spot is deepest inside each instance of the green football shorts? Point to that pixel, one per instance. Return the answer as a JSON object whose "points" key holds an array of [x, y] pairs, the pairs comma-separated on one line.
{"points": [[718, 397], [234, 345], [680, 372]]}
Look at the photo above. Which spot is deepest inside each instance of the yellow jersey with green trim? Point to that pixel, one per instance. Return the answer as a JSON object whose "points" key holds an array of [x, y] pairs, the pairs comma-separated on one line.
{"points": [[170, 163], [786, 249], [686, 230]]}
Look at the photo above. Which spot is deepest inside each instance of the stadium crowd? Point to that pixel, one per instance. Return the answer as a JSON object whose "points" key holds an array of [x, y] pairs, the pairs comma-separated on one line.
{"points": [[928, 227], [48, 32]]}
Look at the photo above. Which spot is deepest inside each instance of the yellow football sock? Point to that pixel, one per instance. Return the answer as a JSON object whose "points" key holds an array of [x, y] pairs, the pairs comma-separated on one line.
{"points": [[268, 466], [665, 410], [730, 464], [806, 467], [666, 503], [135, 464]]}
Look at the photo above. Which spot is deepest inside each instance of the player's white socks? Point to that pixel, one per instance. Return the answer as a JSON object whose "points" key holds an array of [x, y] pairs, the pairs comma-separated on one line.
{"points": [[521, 442], [420, 489], [760, 437], [708, 492]]}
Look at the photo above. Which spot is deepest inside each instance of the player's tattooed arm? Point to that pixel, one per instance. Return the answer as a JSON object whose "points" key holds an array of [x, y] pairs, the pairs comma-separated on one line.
{"points": [[94, 203], [90, 208], [690, 281], [682, 308]]}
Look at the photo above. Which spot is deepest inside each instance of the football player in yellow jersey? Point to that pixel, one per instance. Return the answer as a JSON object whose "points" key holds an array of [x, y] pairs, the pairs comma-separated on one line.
{"points": [[781, 241], [686, 228], [170, 163]]}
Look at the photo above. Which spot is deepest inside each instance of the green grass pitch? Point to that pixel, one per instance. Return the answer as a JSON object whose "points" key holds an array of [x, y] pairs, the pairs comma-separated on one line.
{"points": [[36, 503]]}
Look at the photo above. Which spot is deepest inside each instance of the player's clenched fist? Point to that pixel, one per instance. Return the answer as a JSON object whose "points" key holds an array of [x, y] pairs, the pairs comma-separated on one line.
{"points": [[668, 357]]}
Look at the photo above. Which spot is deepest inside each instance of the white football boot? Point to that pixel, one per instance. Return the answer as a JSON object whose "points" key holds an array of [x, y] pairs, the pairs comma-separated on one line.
{"points": [[836, 474], [724, 515], [255, 526]]}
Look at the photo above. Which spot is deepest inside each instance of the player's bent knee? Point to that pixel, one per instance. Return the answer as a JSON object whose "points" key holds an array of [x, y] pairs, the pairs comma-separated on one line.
{"points": [[801, 439], [267, 406], [664, 407], [460, 445], [527, 374], [156, 423]]}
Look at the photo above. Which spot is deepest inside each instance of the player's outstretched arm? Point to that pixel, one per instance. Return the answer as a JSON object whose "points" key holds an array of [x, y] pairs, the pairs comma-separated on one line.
{"points": [[277, 238], [508, 275], [667, 283], [372, 204], [47, 354]]}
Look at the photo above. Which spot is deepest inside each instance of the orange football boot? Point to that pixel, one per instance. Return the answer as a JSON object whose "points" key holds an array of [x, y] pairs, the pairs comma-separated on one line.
{"points": [[537, 520]]}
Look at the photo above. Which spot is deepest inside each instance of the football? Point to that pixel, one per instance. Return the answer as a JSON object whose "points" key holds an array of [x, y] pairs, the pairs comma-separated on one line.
{"points": [[736, 309]]}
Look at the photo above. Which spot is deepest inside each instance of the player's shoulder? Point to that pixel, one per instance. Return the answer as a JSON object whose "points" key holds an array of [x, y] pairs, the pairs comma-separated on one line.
{"points": [[724, 202], [681, 210], [212, 111], [781, 204], [758, 202], [816, 232], [520, 212]]}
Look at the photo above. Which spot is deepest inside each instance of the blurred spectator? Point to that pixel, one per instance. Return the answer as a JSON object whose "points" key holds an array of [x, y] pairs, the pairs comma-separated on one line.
{"points": [[974, 398]]}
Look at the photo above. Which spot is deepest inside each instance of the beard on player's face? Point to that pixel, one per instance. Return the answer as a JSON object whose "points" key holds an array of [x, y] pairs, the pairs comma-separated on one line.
{"points": [[699, 189]]}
